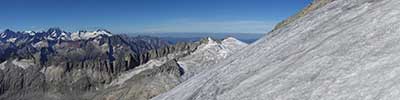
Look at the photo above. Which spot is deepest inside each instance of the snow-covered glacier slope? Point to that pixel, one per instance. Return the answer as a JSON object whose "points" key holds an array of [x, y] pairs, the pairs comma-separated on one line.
{"points": [[345, 50], [209, 54]]}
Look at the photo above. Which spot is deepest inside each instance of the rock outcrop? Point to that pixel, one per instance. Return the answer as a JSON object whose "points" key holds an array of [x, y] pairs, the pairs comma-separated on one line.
{"points": [[146, 84]]}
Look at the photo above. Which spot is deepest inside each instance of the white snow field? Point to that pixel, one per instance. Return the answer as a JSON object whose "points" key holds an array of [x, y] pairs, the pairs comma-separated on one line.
{"points": [[87, 35], [346, 50], [209, 54]]}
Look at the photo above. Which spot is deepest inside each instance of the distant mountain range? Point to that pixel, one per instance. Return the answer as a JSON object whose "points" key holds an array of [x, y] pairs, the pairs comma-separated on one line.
{"points": [[55, 34]]}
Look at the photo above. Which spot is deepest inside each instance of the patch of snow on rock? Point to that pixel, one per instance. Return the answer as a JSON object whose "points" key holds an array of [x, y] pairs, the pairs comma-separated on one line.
{"points": [[3, 65], [23, 63], [12, 40]]}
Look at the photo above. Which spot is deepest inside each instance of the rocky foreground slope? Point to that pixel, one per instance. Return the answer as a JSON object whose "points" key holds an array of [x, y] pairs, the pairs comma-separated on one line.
{"points": [[344, 50]]}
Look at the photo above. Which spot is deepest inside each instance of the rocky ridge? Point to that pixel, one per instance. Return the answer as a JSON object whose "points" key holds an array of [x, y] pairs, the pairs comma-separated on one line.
{"points": [[313, 6]]}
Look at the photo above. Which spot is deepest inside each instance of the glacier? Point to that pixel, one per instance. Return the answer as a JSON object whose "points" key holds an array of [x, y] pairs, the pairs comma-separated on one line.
{"points": [[345, 50], [208, 54]]}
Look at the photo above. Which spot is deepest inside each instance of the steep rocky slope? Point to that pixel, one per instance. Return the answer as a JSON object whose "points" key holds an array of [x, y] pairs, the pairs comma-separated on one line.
{"points": [[346, 50]]}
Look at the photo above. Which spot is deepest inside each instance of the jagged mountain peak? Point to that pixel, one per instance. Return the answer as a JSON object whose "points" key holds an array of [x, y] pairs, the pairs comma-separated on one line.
{"points": [[57, 34], [55, 30], [8, 35], [103, 30], [7, 31], [207, 40], [53, 34]]}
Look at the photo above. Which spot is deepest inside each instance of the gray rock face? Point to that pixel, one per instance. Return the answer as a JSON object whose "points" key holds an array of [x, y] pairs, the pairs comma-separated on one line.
{"points": [[16, 81], [179, 47], [146, 84]]}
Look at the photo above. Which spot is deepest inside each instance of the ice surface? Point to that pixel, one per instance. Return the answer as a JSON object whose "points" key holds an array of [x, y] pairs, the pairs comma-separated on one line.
{"points": [[346, 50]]}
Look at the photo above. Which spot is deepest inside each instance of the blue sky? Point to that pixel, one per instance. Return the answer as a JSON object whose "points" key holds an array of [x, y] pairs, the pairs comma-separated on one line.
{"points": [[128, 16]]}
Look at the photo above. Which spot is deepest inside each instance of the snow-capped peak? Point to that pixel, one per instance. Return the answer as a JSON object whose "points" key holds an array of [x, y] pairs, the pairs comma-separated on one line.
{"points": [[211, 41], [208, 40], [103, 32], [57, 33], [231, 41], [30, 32], [8, 31], [87, 35], [54, 34]]}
